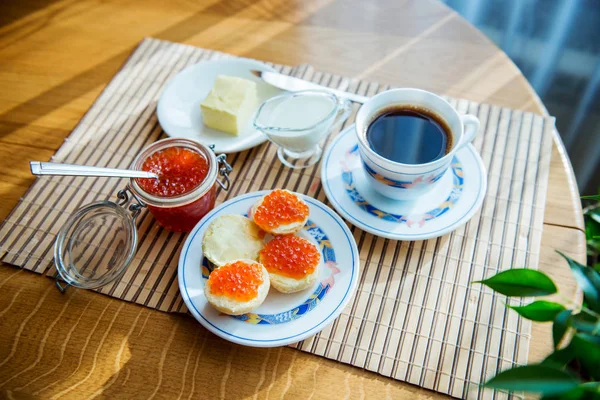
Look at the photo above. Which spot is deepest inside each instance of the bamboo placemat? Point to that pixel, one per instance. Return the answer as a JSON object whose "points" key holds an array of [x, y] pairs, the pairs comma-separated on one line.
{"points": [[415, 316]]}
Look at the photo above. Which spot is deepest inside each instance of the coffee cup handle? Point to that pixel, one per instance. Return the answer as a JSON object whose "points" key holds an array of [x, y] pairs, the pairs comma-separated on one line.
{"points": [[470, 129]]}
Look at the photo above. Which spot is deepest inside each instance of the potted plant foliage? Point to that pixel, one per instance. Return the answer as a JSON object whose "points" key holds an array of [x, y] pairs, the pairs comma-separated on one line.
{"points": [[572, 370]]}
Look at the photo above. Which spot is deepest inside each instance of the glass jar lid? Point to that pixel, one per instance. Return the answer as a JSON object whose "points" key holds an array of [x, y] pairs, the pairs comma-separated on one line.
{"points": [[97, 243]]}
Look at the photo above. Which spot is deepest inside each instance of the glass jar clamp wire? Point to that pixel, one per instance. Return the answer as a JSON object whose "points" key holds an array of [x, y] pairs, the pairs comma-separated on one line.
{"points": [[99, 240]]}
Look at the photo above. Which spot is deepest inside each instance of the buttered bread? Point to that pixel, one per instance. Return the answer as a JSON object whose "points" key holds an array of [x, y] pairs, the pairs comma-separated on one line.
{"points": [[232, 237]]}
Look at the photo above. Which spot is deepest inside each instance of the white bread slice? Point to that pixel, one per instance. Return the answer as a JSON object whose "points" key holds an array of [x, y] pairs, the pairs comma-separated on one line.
{"points": [[232, 237], [281, 229], [231, 306], [285, 284]]}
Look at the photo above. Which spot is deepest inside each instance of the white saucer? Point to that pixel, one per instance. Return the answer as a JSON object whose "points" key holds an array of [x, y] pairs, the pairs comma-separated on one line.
{"points": [[283, 318], [455, 199], [179, 111]]}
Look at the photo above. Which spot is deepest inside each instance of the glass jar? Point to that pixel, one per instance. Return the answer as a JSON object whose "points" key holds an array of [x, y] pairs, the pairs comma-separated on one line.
{"points": [[182, 212], [99, 240]]}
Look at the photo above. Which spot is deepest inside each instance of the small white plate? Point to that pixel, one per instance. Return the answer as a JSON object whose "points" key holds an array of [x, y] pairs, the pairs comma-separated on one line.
{"points": [[283, 318], [179, 111], [455, 199]]}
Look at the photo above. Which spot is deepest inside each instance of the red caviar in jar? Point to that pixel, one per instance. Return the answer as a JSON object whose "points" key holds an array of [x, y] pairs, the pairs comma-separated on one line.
{"points": [[179, 170], [181, 196], [278, 208], [237, 280], [291, 256]]}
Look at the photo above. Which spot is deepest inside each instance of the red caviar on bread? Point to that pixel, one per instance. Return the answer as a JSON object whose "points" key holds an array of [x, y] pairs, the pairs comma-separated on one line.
{"points": [[280, 212], [237, 287], [292, 263]]}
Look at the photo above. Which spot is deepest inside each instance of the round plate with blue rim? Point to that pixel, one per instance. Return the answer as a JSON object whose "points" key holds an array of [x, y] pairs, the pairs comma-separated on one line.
{"points": [[451, 203], [283, 318]]}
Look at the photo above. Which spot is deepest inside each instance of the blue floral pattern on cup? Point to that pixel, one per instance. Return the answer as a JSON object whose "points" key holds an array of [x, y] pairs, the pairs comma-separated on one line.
{"points": [[428, 180], [409, 219], [312, 301]]}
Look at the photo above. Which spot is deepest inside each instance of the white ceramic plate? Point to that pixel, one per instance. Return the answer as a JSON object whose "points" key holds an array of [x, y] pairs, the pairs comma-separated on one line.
{"points": [[455, 199], [179, 111], [283, 318]]}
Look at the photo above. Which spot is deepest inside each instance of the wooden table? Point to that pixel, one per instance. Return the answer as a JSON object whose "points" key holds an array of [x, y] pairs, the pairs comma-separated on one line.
{"points": [[55, 58]]}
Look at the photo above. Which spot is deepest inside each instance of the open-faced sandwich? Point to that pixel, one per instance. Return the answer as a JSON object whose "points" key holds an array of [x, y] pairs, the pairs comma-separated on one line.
{"points": [[280, 212], [237, 287], [231, 237], [246, 267], [292, 262]]}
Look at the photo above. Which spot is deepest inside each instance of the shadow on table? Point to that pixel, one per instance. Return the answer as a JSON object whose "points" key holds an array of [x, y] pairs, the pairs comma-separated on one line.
{"points": [[190, 362], [11, 12], [100, 74]]}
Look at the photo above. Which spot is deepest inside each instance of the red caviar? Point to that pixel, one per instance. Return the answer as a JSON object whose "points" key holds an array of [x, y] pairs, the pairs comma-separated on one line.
{"points": [[278, 208], [179, 170], [291, 256], [237, 280]]}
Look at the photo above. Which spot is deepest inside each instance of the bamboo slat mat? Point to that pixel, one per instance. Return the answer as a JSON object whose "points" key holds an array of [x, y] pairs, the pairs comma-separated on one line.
{"points": [[415, 316]]}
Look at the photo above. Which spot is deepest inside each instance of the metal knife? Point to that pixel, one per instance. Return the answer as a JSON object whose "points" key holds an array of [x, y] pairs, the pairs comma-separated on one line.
{"points": [[293, 84]]}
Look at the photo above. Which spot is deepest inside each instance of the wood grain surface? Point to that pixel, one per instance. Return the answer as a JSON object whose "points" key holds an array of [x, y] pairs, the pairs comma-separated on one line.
{"points": [[56, 57]]}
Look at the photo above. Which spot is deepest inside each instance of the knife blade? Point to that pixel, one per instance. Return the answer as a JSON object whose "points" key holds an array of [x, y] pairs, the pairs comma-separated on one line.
{"points": [[292, 84]]}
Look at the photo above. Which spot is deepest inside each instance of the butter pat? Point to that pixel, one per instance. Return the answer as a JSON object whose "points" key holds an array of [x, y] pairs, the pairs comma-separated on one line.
{"points": [[230, 104]]}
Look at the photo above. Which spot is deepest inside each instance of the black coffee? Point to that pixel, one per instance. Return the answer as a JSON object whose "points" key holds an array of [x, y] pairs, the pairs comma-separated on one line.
{"points": [[409, 135]]}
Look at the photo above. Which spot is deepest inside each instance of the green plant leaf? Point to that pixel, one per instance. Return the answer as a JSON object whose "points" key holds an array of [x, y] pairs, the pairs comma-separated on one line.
{"points": [[576, 394], [588, 280], [544, 379], [588, 353], [521, 282], [540, 311], [592, 197], [560, 358], [560, 326], [591, 387], [595, 215], [585, 323], [581, 392], [590, 338], [592, 229]]}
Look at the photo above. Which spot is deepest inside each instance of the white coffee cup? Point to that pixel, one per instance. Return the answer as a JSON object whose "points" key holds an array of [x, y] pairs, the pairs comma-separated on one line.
{"points": [[409, 181]]}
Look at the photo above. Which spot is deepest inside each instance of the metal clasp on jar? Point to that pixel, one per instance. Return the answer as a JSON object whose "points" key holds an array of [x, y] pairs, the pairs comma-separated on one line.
{"points": [[224, 169], [136, 207]]}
